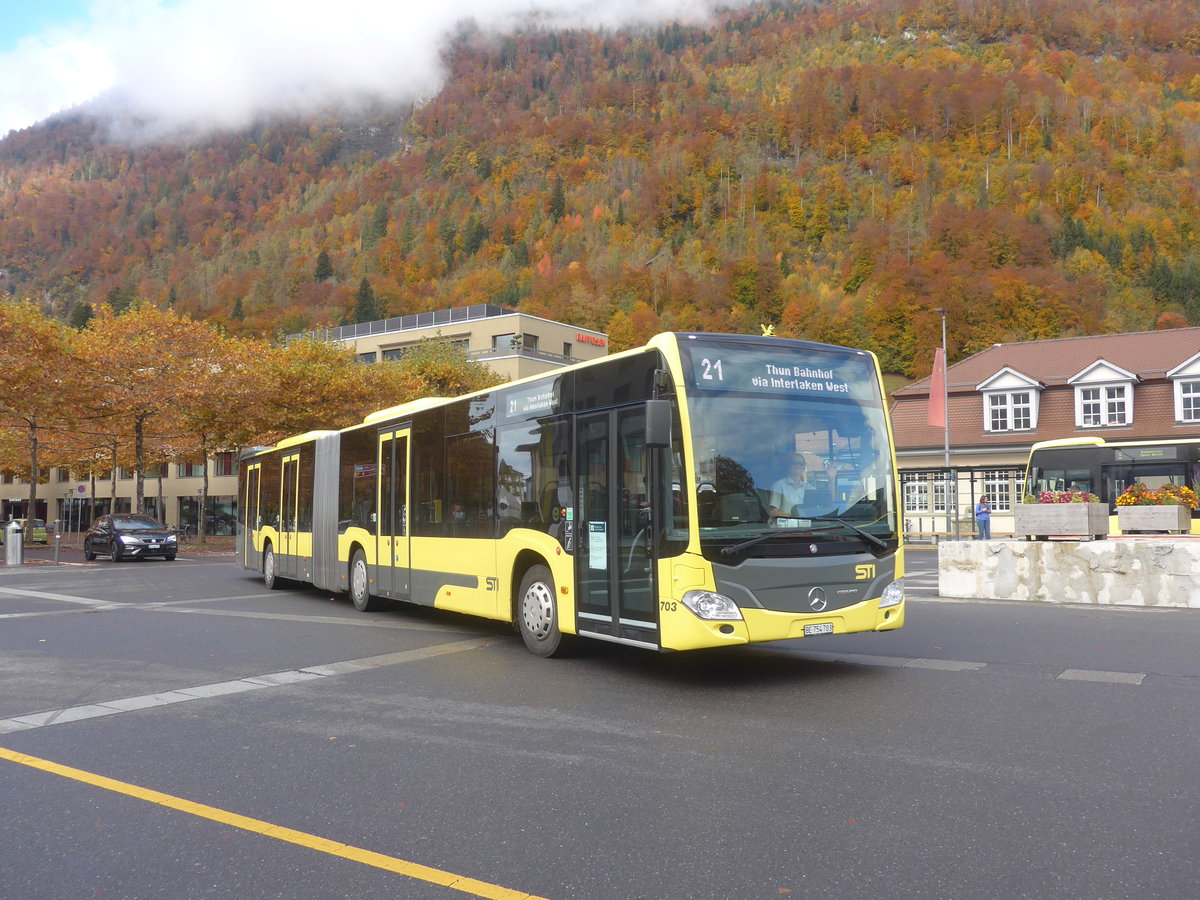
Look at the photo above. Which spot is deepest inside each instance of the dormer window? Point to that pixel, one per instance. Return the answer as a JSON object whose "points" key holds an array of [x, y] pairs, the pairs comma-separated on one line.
{"points": [[1104, 405], [1103, 395], [1012, 411], [1189, 401], [1010, 402], [1187, 391]]}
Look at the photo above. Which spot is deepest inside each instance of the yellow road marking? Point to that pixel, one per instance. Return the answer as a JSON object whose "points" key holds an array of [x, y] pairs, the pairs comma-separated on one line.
{"points": [[291, 836]]}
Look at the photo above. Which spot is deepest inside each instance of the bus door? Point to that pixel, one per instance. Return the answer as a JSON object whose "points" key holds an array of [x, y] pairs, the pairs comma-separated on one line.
{"points": [[288, 558], [250, 517], [616, 596], [392, 551]]}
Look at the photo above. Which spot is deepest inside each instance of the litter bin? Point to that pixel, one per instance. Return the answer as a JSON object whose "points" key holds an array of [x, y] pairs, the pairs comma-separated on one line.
{"points": [[14, 544]]}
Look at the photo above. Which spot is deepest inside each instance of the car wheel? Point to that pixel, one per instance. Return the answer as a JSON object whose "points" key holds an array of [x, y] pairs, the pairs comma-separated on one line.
{"points": [[360, 585], [88, 553], [170, 557], [537, 614], [114, 551]]}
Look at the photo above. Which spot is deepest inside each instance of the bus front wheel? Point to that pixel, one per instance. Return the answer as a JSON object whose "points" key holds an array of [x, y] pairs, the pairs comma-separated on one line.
{"points": [[537, 614], [360, 585]]}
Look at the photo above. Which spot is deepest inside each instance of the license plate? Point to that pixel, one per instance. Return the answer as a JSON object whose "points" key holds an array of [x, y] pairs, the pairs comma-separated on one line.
{"points": [[153, 546], [823, 628]]}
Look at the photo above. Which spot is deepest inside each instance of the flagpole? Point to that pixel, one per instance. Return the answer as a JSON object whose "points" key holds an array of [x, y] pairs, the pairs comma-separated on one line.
{"points": [[946, 419]]}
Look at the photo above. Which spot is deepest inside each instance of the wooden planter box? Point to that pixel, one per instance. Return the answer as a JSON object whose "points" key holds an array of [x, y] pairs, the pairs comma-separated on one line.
{"points": [[1154, 519], [1041, 520]]}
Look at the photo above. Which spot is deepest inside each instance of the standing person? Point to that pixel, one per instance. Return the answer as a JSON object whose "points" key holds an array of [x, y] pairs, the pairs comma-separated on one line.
{"points": [[983, 518]]}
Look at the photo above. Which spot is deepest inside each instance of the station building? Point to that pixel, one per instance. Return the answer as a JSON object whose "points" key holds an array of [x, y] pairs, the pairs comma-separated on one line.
{"points": [[1141, 386]]}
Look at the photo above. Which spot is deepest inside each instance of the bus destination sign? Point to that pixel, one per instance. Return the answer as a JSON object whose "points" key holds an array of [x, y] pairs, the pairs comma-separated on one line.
{"points": [[532, 401], [1132, 454], [754, 372]]}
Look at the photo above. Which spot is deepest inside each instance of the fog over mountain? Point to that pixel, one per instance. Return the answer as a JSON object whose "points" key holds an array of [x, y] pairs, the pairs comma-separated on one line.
{"points": [[196, 65]]}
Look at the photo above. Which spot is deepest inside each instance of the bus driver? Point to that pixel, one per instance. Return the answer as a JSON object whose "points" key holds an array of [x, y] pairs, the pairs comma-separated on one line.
{"points": [[787, 494]]}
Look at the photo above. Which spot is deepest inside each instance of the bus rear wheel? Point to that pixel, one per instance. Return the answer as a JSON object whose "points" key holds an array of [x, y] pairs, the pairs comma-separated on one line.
{"points": [[360, 585], [537, 614], [270, 571]]}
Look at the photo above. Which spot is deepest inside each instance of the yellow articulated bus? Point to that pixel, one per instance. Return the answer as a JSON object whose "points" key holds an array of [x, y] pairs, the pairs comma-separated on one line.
{"points": [[702, 491], [1107, 468]]}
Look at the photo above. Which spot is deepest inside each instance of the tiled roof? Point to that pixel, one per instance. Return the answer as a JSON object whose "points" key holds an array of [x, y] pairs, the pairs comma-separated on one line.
{"points": [[1149, 354]]}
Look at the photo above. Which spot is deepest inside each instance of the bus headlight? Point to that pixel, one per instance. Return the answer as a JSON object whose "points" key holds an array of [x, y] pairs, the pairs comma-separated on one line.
{"points": [[893, 594], [709, 605]]}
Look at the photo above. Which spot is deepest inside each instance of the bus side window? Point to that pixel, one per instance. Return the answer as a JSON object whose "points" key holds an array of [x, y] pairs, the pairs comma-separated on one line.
{"points": [[532, 463]]}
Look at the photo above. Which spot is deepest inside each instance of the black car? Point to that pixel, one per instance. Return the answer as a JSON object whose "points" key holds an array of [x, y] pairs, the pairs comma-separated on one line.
{"points": [[128, 536]]}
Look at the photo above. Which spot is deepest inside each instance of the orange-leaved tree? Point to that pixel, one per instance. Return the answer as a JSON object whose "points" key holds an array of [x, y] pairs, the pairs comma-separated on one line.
{"points": [[144, 366], [222, 418], [36, 380], [309, 385]]}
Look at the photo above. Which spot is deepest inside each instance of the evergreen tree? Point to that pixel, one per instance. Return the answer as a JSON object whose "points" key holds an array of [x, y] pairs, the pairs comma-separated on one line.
{"points": [[81, 314], [120, 299], [376, 228], [474, 237], [558, 200], [366, 306], [237, 314], [324, 269]]}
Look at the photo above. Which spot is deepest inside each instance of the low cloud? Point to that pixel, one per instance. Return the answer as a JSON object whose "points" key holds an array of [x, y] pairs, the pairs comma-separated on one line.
{"points": [[195, 65]]}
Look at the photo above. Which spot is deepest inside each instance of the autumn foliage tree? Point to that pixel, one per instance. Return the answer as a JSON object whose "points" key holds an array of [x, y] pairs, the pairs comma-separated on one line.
{"points": [[37, 384], [143, 368]]}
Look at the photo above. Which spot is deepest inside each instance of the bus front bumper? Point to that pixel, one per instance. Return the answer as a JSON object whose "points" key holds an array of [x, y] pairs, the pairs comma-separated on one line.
{"points": [[760, 625]]}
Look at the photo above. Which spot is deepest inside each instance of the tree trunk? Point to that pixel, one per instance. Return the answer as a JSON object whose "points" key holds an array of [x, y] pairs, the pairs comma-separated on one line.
{"points": [[33, 477], [201, 525], [112, 480], [201, 528], [139, 487]]}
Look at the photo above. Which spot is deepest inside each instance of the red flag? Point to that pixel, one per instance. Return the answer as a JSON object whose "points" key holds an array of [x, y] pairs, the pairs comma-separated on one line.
{"points": [[937, 390]]}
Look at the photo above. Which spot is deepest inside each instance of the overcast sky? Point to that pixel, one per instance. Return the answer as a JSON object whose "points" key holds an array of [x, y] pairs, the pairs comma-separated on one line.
{"points": [[206, 63]]}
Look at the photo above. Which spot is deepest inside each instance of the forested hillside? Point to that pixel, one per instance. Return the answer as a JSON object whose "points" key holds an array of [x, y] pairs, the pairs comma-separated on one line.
{"points": [[836, 169]]}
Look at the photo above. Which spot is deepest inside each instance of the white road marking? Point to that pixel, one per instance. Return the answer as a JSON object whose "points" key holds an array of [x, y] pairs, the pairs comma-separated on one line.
{"points": [[63, 598], [1106, 677], [252, 683]]}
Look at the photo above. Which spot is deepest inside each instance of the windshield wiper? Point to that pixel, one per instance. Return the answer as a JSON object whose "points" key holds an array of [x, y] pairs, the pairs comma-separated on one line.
{"points": [[734, 549], [865, 535], [757, 539]]}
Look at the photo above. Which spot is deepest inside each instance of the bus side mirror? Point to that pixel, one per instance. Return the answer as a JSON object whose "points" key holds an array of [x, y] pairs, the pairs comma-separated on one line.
{"points": [[658, 423]]}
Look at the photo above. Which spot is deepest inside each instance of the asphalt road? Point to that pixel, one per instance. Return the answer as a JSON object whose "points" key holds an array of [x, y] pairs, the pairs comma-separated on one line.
{"points": [[174, 730]]}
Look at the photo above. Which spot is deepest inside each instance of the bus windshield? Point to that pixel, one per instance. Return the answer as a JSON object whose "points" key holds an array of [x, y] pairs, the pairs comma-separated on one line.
{"points": [[791, 440], [1107, 469]]}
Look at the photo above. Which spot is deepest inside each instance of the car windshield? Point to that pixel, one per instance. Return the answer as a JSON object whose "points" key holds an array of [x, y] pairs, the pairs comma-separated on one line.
{"points": [[138, 524]]}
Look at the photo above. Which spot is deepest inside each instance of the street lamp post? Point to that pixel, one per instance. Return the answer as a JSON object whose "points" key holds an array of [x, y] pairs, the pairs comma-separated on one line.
{"points": [[946, 422]]}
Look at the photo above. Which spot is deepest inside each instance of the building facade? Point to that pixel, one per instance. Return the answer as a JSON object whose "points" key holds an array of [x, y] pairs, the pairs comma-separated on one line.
{"points": [[1002, 400], [515, 345], [173, 495]]}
